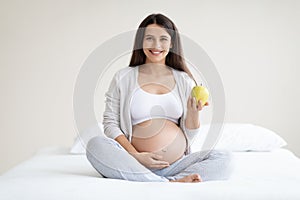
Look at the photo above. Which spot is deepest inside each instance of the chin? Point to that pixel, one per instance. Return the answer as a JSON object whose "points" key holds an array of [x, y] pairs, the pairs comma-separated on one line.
{"points": [[157, 61]]}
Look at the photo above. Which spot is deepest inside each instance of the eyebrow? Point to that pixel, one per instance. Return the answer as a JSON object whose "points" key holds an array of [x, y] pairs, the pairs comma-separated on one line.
{"points": [[160, 36]]}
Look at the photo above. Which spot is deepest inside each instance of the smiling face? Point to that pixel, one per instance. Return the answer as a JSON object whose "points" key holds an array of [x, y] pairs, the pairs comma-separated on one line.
{"points": [[156, 44]]}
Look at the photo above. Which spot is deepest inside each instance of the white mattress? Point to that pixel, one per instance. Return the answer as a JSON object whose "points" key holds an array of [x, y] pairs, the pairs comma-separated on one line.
{"points": [[53, 173]]}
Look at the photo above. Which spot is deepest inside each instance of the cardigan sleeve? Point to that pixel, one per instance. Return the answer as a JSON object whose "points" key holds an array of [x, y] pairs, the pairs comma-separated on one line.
{"points": [[111, 115]]}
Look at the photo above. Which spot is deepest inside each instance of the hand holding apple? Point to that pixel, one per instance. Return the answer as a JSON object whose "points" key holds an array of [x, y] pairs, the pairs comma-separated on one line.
{"points": [[196, 101], [201, 94]]}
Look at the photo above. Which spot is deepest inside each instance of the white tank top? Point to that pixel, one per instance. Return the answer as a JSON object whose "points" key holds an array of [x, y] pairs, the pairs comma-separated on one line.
{"points": [[145, 106]]}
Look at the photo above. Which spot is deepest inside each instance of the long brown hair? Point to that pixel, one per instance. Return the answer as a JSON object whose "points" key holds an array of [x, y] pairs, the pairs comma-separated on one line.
{"points": [[174, 58]]}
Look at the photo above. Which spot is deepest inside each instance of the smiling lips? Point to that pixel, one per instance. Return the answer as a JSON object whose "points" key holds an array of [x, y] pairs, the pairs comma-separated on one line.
{"points": [[155, 52]]}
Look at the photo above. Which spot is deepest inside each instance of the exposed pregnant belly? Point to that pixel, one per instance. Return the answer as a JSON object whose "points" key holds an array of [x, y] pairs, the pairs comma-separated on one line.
{"points": [[160, 136]]}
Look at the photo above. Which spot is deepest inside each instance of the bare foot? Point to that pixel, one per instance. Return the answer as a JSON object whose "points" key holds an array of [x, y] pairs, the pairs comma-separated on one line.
{"points": [[193, 178]]}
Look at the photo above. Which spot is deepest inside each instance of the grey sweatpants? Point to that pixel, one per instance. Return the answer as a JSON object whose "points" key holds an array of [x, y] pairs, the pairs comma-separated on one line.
{"points": [[111, 160]]}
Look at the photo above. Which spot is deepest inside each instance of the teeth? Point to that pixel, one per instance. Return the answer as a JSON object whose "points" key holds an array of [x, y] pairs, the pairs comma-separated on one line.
{"points": [[156, 52]]}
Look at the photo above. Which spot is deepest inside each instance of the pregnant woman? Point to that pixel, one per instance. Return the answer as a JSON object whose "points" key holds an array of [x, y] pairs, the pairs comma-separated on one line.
{"points": [[150, 119]]}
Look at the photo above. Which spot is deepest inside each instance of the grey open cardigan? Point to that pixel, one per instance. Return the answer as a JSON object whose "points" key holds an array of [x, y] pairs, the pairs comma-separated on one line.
{"points": [[117, 118]]}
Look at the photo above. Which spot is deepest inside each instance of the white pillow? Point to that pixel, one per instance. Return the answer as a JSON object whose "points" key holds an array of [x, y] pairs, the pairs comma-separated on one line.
{"points": [[82, 139], [241, 137], [233, 137]]}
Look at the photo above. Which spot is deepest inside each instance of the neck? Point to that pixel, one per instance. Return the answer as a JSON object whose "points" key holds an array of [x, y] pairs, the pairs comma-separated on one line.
{"points": [[155, 68]]}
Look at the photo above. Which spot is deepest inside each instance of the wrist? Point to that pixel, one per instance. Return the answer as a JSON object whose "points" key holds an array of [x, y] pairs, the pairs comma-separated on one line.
{"points": [[134, 154], [192, 122], [192, 113], [191, 126]]}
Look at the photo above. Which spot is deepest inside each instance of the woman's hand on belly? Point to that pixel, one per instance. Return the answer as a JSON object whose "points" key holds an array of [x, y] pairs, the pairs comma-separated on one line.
{"points": [[150, 160]]}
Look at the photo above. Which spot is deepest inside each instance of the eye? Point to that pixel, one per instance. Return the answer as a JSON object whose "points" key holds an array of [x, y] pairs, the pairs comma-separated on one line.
{"points": [[164, 39], [149, 38]]}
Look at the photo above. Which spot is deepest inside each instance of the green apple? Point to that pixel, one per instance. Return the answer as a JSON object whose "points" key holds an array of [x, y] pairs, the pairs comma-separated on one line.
{"points": [[200, 93]]}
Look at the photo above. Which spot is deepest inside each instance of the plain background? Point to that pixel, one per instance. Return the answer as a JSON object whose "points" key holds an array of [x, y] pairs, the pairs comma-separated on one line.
{"points": [[255, 46]]}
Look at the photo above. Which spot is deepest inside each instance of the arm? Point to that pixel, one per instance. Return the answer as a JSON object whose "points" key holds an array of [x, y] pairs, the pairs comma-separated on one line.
{"points": [[192, 119], [111, 115], [122, 140]]}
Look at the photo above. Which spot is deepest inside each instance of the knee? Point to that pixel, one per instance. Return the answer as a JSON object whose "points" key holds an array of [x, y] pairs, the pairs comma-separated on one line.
{"points": [[94, 145], [225, 162]]}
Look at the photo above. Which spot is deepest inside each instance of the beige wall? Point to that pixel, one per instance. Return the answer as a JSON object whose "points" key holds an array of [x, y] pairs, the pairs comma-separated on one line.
{"points": [[254, 45]]}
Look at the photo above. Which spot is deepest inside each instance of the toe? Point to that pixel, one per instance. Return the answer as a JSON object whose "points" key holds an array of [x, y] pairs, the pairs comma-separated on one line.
{"points": [[197, 178]]}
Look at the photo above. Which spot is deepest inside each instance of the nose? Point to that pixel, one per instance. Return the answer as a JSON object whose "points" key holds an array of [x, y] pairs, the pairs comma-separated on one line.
{"points": [[157, 44]]}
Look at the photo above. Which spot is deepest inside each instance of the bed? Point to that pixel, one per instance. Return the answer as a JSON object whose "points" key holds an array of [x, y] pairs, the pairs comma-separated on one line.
{"points": [[61, 173]]}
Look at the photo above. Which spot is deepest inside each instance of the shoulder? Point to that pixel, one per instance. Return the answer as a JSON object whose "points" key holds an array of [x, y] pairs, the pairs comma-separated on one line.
{"points": [[184, 78], [181, 74], [124, 72]]}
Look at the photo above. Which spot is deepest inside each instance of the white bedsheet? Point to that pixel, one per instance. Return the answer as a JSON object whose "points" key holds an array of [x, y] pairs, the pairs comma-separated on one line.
{"points": [[53, 173]]}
